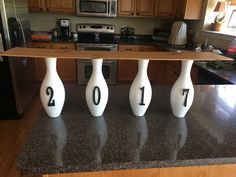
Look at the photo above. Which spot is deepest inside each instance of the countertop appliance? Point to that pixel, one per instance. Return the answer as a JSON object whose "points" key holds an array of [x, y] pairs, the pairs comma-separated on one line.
{"points": [[94, 37], [18, 77], [99, 8], [64, 25], [161, 35], [178, 35]]}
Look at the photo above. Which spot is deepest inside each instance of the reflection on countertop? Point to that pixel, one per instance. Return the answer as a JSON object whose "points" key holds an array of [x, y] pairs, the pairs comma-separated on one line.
{"points": [[78, 142]]}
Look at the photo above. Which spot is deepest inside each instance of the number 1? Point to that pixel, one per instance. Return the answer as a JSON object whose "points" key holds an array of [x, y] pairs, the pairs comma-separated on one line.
{"points": [[142, 97]]}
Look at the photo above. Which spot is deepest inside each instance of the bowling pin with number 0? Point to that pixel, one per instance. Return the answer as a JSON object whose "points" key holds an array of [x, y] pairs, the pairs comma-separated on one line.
{"points": [[97, 90]]}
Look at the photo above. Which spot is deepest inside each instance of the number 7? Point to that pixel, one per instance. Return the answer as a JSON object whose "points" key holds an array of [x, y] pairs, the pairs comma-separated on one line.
{"points": [[185, 100]]}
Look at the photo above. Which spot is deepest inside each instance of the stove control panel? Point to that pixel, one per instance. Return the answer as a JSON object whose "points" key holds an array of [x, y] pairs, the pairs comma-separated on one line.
{"points": [[96, 28]]}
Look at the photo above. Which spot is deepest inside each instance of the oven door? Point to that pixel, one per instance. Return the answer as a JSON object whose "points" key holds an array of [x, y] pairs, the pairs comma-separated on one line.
{"points": [[85, 68], [102, 8]]}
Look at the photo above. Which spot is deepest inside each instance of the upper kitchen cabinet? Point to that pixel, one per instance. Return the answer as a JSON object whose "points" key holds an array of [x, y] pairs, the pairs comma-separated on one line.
{"points": [[136, 7], [164, 8], [62, 6], [35, 5], [188, 9]]}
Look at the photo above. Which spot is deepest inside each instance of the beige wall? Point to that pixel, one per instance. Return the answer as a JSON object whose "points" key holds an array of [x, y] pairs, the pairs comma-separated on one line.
{"points": [[47, 21]]}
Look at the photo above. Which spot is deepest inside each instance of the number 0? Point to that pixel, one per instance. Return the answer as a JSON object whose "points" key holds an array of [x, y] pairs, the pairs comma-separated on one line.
{"points": [[96, 89]]}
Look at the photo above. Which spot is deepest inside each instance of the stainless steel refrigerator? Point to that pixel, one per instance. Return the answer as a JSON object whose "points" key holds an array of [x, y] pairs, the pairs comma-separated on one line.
{"points": [[18, 78]]}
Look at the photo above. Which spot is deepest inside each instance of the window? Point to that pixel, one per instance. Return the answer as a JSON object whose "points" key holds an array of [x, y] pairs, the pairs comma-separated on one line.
{"points": [[232, 20]]}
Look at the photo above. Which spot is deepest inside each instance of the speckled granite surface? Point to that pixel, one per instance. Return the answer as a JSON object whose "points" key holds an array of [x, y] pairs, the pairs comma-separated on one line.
{"points": [[77, 142]]}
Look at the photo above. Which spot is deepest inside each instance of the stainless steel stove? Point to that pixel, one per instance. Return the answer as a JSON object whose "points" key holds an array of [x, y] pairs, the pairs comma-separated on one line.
{"points": [[96, 37]]}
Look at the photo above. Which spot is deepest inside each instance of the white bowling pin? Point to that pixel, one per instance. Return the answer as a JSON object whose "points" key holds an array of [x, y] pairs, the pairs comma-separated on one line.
{"points": [[97, 90], [182, 92], [52, 91], [140, 93]]}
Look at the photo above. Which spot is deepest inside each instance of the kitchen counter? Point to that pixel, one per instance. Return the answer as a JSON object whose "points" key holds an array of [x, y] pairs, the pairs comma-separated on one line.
{"points": [[226, 76], [78, 142]]}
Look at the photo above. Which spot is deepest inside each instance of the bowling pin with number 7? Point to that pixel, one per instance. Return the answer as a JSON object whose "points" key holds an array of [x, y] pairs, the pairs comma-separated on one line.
{"points": [[182, 92]]}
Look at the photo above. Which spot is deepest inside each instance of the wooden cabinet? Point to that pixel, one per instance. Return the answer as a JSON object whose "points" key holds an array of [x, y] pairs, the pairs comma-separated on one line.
{"points": [[35, 5], [127, 69], [164, 8], [66, 68], [40, 63], [136, 7], [63, 6], [188, 9]]}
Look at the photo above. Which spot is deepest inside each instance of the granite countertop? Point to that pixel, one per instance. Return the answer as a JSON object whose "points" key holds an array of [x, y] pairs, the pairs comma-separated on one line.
{"points": [[78, 142], [227, 75]]}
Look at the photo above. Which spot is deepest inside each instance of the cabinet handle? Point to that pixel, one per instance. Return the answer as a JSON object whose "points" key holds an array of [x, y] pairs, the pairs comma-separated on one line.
{"points": [[41, 47], [128, 49], [63, 48], [137, 13], [132, 13]]}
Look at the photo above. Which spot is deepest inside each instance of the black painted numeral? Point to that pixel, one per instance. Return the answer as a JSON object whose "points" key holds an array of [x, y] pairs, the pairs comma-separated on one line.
{"points": [[50, 92], [96, 89], [142, 97], [186, 97]]}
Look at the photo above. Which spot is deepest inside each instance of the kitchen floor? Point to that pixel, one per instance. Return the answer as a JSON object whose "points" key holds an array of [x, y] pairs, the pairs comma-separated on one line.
{"points": [[12, 137]]}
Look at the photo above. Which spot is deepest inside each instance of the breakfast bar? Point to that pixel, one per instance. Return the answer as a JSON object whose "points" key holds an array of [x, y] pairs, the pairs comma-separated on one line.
{"points": [[184, 129]]}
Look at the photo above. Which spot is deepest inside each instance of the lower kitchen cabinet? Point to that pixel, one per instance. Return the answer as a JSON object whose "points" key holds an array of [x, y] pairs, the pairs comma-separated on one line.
{"points": [[127, 69], [66, 68], [167, 72]]}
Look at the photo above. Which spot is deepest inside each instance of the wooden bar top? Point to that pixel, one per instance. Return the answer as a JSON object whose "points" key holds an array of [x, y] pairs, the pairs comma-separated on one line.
{"points": [[75, 54]]}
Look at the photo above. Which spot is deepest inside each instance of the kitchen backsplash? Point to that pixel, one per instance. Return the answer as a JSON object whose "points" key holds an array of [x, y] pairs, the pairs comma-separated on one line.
{"points": [[47, 21]]}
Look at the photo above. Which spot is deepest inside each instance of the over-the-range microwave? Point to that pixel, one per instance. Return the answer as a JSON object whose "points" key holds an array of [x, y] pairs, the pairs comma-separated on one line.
{"points": [[99, 8]]}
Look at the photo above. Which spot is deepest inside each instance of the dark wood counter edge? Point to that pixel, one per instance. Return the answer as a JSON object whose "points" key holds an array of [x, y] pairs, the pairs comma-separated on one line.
{"points": [[74, 54], [126, 166]]}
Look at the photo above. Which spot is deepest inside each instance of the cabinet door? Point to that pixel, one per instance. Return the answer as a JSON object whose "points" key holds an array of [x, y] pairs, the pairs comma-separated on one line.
{"points": [[179, 8], [36, 5], [164, 8], [40, 62], [64, 6], [126, 7], [188, 9], [145, 7], [170, 76], [66, 68], [127, 69]]}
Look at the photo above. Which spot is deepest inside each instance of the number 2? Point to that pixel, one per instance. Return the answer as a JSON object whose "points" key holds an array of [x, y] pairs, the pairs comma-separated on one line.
{"points": [[49, 91], [186, 97]]}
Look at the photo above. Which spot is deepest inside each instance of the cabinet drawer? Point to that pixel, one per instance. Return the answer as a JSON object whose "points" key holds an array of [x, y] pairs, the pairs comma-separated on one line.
{"points": [[42, 45], [127, 48], [63, 46]]}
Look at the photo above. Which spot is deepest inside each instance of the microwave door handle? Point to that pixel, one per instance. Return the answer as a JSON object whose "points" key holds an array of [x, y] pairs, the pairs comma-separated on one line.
{"points": [[108, 10]]}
